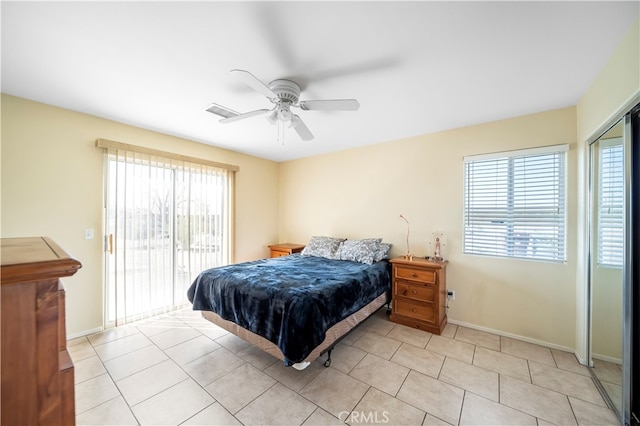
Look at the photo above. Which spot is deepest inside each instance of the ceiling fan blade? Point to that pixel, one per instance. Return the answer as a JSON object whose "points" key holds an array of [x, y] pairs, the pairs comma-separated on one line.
{"points": [[221, 111], [330, 105], [253, 82], [303, 131], [245, 115]]}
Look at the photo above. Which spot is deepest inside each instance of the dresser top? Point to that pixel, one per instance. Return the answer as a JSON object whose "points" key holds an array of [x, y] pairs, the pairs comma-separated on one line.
{"points": [[419, 261], [30, 258], [287, 246]]}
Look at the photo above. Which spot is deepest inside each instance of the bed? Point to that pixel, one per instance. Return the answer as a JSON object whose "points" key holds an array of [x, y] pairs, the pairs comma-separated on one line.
{"points": [[296, 307]]}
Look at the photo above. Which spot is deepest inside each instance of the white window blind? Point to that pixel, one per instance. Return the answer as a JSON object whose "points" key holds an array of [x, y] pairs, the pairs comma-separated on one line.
{"points": [[167, 219], [611, 204], [514, 204]]}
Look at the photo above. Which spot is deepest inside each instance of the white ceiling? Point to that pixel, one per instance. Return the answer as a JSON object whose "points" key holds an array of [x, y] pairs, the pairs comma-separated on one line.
{"points": [[415, 67]]}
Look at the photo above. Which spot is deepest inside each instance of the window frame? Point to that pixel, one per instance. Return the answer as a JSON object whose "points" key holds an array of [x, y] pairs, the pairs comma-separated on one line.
{"points": [[618, 257], [511, 212]]}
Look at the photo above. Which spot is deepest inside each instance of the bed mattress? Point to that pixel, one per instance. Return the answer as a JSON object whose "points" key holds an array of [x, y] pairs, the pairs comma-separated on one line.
{"points": [[290, 301]]}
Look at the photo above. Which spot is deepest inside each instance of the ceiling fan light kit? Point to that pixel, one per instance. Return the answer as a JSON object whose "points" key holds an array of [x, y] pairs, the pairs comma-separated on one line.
{"points": [[284, 94]]}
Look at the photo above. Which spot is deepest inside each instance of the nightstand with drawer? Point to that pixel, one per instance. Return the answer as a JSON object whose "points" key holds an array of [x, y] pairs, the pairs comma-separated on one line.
{"points": [[285, 249], [419, 292]]}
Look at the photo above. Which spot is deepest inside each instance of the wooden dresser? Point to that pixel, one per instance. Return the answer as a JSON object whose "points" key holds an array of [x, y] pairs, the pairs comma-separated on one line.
{"points": [[419, 293], [37, 372], [285, 249]]}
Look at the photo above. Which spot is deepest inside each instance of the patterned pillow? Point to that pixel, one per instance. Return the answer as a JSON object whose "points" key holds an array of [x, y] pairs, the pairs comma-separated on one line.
{"points": [[381, 249], [323, 247], [373, 240], [362, 251], [382, 252]]}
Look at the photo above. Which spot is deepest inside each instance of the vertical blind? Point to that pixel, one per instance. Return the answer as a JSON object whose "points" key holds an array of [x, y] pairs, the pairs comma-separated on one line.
{"points": [[611, 204], [514, 204], [167, 220]]}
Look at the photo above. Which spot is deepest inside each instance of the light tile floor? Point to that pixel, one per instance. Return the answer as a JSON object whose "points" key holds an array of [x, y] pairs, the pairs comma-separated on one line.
{"points": [[179, 369]]}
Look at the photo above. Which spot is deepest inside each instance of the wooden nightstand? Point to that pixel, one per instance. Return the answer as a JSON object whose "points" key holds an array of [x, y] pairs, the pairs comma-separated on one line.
{"points": [[285, 249], [419, 293]]}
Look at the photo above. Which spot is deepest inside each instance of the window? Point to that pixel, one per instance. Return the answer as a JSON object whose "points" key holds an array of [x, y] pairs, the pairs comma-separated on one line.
{"points": [[514, 204], [611, 203]]}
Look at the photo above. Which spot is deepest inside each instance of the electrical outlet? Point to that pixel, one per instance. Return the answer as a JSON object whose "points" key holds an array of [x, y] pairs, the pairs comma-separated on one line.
{"points": [[88, 234], [451, 294]]}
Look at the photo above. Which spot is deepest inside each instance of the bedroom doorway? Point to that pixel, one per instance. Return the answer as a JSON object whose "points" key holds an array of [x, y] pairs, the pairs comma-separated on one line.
{"points": [[165, 222]]}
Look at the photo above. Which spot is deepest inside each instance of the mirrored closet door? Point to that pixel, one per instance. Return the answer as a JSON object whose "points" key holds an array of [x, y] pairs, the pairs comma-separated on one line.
{"points": [[614, 175], [607, 260]]}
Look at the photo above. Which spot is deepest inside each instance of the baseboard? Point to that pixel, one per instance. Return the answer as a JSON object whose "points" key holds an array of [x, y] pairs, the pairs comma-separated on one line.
{"points": [[581, 360], [84, 333], [607, 358], [513, 336]]}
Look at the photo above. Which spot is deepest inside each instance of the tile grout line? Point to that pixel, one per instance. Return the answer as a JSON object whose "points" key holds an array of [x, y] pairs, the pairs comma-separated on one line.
{"points": [[276, 381], [464, 398], [572, 410], [168, 358], [215, 401], [111, 377], [189, 376]]}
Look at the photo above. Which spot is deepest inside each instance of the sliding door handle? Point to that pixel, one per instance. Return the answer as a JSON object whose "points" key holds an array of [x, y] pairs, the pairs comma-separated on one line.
{"points": [[108, 243]]}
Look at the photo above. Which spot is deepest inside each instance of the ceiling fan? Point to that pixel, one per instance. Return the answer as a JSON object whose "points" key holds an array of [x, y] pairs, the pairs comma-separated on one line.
{"points": [[284, 94]]}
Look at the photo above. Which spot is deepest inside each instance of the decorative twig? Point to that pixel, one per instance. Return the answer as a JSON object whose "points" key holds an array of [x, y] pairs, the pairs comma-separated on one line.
{"points": [[408, 255]]}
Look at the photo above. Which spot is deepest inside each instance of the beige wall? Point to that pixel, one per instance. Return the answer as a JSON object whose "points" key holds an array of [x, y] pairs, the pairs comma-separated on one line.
{"points": [[361, 193], [617, 83], [606, 316], [52, 185]]}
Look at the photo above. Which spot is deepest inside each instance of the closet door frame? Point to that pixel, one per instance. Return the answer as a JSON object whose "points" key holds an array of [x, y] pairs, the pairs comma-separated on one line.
{"points": [[631, 305], [630, 113]]}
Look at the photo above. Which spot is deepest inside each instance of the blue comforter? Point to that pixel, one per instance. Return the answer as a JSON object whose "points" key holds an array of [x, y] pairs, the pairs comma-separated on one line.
{"points": [[292, 300]]}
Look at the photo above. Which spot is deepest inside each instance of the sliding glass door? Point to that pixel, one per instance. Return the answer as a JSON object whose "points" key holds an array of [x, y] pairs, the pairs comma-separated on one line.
{"points": [[166, 221]]}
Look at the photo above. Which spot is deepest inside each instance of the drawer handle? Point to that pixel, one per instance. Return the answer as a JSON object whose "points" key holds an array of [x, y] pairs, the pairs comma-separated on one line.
{"points": [[404, 293], [414, 275], [413, 310], [414, 292]]}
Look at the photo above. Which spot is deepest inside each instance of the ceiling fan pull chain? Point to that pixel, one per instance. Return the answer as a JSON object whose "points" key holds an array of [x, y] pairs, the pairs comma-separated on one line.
{"points": [[281, 130]]}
